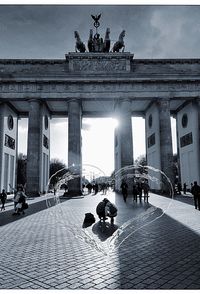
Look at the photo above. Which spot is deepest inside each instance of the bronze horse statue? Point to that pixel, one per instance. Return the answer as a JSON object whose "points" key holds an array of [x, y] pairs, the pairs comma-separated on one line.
{"points": [[90, 42], [120, 43], [79, 44]]}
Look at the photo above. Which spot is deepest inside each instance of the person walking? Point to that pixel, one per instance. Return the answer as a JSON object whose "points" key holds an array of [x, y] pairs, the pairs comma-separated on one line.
{"points": [[3, 197], [146, 191], [124, 188], [184, 188], [135, 191], [196, 193], [96, 188], [179, 187], [139, 188], [19, 199]]}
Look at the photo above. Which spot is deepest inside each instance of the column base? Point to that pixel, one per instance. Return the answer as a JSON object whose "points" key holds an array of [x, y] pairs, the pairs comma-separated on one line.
{"points": [[160, 192], [33, 194], [72, 193]]}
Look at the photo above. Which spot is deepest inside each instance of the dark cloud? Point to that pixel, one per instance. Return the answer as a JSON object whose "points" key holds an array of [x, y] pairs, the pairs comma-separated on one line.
{"points": [[46, 31]]}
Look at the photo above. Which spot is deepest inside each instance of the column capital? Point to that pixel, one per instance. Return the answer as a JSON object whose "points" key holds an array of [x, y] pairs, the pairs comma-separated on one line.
{"points": [[34, 100], [124, 105], [74, 101], [161, 101], [123, 100], [77, 100], [163, 104]]}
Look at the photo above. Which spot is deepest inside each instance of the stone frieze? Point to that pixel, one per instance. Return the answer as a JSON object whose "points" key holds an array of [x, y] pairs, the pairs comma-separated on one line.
{"points": [[99, 65], [98, 87]]}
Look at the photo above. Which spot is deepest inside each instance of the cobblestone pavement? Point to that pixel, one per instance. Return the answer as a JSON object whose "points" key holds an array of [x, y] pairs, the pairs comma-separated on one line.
{"points": [[157, 246]]}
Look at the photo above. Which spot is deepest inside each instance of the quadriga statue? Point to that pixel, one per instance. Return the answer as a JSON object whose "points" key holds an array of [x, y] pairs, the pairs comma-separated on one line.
{"points": [[79, 44], [120, 43]]}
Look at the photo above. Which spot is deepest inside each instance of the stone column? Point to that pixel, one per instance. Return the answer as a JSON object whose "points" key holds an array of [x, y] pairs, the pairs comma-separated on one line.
{"points": [[34, 146], [123, 138], [166, 150], [188, 141], [1, 143], [178, 151], [74, 146], [8, 147]]}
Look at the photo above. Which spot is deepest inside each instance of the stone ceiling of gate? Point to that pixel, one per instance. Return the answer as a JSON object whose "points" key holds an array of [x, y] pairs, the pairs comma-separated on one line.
{"points": [[98, 80]]}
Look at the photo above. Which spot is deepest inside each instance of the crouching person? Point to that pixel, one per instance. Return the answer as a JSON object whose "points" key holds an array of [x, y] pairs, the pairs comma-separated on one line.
{"points": [[100, 210], [110, 210], [106, 208]]}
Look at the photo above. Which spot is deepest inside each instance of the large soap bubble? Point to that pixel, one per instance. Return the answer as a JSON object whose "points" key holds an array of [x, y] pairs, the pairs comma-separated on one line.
{"points": [[159, 184]]}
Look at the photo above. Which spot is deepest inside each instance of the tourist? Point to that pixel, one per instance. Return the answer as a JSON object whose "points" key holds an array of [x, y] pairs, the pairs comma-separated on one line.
{"points": [[89, 187], [3, 197], [196, 193], [100, 210], [124, 188], [135, 191], [96, 188], [146, 191], [19, 199], [104, 188], [106, 208], [139, 188], [110, 210], [179, 187], [184, 188]]}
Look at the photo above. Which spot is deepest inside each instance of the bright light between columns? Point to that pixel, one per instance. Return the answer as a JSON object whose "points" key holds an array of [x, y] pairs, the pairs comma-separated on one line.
{"points": [[115, 123]]}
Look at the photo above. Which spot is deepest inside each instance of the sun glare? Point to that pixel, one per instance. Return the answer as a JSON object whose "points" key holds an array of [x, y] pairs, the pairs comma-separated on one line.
{"points": [[115, 123]]}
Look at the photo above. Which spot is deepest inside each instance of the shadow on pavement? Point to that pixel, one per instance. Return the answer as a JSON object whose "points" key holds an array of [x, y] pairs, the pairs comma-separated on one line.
{"points": [[164, 254], [70, 197], [104, 230], [185, 199], [6, 216]]}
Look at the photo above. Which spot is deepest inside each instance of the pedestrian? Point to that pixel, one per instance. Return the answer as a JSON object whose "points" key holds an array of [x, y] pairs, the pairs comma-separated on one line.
{"points": [[139, 188], [124, 188], [22, 201], [184, 188], [100, 210], [146, 191], [3, 197], [103, 187], [179, 187], [110, 210], [89, 187], [135, 192], [96, 188], [196, 193], [106, 208], [18, 199]]}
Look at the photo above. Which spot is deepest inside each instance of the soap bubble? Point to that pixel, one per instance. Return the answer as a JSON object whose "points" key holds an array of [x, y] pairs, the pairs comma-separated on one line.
{"points": [[156, 180]]}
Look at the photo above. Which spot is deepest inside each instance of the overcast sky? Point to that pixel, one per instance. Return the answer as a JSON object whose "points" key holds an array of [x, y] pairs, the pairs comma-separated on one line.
{"points": [[47, 31]]}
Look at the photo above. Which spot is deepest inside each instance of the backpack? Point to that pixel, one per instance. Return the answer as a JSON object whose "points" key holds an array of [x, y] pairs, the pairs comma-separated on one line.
{"points": [[89, 218], [112, 208]]}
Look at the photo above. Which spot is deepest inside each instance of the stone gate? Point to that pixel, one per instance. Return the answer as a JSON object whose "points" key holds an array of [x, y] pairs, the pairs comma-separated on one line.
{"points": [[99, 84]]}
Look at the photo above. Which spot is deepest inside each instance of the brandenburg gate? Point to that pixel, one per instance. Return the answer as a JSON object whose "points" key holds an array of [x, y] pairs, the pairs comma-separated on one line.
{"points": [[94, 83]]}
